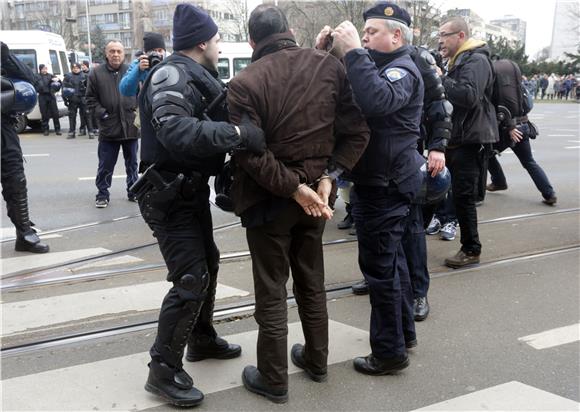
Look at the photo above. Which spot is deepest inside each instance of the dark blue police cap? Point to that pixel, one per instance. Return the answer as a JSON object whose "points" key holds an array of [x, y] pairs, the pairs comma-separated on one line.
{"points": [[388, 11]]}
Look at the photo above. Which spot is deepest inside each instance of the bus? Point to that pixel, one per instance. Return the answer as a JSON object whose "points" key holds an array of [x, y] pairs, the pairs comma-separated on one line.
{"points": [[35, 47], [234, 57]]}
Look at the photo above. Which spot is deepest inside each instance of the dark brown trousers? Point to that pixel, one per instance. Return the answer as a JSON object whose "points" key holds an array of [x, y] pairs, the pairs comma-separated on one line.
{"points": [[292, 241]]}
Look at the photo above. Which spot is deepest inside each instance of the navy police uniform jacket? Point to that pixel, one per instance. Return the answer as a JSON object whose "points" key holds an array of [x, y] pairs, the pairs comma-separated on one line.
{"points": [[389, 90]]}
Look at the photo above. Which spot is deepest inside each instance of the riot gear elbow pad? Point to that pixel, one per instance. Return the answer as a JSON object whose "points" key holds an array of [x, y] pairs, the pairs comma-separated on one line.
{"points": [[168, 85]]}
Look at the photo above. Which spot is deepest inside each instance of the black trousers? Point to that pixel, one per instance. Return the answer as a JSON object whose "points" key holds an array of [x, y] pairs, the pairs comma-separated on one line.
{"points": [[77, 105], [184, 231], [380, 215], [293, 241], [466, 164], [48, 110], [13, 180], [415, 248]]}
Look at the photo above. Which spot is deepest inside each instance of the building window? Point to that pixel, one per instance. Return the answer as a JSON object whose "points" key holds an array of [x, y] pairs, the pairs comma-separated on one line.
{"points": [[110, 18], [82, 21], [127, 40], [124, 4], [54, 62], [125, 20]]}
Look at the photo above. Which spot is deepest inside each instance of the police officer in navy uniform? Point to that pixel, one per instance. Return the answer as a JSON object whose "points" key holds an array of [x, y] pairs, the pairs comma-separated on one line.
{"points": [[14, 188], [180, 151], [435, 132], [389, 90]]}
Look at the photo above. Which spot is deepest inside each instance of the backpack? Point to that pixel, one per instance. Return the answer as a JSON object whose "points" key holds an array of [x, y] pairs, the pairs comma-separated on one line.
{"points": [[509, 91]]}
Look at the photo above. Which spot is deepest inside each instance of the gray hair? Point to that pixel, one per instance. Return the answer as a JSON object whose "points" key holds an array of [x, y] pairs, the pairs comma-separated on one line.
{"points": [[406, 33]]}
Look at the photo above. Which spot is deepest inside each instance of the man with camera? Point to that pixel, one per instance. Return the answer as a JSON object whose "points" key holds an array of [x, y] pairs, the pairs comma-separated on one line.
{"points": [[154, 53], [116, 117]]}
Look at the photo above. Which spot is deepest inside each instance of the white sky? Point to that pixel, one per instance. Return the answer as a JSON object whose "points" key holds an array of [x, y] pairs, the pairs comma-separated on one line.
{"points": [[539, 16]]}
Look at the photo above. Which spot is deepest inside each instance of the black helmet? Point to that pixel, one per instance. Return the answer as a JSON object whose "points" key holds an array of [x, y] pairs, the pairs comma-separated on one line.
{"points": [[223, 186], [18, 96], [433, 189]]}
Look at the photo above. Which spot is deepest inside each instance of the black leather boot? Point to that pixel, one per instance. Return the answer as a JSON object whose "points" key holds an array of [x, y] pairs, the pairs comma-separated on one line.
{"points": [[254, 382], [360, 288], [370, 365], [17, 207], [202, 347], [174, 386], [297, 356]]}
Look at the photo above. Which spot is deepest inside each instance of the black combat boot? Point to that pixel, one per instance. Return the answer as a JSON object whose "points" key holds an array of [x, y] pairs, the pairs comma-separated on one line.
{"points": [[17, 207], [71, 135], [82, 132], [175, 386], [204, 343], [255, 382]]}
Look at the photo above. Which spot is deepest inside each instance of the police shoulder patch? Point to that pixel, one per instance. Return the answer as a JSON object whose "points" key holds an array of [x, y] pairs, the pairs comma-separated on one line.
{"points": [[395, 74]]}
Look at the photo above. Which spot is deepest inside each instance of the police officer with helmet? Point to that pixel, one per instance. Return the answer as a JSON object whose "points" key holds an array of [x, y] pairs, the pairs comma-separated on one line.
{"points": [[181, 148], [389, 90], [74, 87], [14, 189]]}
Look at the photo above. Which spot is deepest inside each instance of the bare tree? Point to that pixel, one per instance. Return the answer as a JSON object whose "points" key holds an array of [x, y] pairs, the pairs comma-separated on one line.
{"points": [[239, 10], [57, 17]]}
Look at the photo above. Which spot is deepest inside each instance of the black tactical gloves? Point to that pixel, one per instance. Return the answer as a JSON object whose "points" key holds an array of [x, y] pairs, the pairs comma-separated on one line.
{"points": [[253, 138]]}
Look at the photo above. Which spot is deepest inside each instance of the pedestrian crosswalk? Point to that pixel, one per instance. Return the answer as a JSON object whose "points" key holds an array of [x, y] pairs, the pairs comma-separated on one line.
{"points": [[511, 396], [27, 315], [553, 337], [119, 381]]}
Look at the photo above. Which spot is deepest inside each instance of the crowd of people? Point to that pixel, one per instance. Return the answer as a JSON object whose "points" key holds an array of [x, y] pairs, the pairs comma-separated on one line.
{"points": [[298, 122], [553, 86]]}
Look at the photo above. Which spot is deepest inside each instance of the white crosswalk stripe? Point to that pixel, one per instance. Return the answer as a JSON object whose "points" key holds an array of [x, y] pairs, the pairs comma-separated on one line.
{"points": [[41, 313], [119, 381], [511, 396], [553, 337], [28, 262]]}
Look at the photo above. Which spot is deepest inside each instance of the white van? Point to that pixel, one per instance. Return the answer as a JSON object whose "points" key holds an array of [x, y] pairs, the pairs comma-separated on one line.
{"points": [[35, 47], [234, 57]]}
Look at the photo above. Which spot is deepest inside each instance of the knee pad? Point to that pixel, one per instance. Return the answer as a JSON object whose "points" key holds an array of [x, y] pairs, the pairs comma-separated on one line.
{"points": [[192, 287]]}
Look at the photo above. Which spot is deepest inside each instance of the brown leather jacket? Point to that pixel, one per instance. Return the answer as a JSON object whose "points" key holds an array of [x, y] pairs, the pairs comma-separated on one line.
{"points": [[302, 100]]}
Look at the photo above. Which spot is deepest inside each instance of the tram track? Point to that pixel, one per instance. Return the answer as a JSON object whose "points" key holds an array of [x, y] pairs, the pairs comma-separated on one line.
{"points": [[238, 310], [11, 283]]}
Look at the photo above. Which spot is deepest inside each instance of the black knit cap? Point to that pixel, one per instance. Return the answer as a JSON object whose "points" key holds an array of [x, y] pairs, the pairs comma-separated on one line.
{"points": [[41, 66], [153, 41], [191, 26], [388, 11]]}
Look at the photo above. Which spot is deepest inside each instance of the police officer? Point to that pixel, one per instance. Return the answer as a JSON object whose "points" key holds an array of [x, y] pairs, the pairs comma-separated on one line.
{"points": [[389, 90], [13, 179], [181, 151], [74, 88], [435, 132], [47, 85]]}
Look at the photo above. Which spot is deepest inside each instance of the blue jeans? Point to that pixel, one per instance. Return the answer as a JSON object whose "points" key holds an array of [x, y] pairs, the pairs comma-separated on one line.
{"points": [[380, 215], [523, 150], [108, 153]]}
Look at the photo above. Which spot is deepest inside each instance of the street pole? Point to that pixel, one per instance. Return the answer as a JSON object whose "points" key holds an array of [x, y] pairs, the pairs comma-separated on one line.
{"points": [[89, 30]]}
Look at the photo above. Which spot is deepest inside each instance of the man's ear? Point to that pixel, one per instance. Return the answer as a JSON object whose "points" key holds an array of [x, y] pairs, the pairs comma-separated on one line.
{"points": [[252, 43], [202, 46]]}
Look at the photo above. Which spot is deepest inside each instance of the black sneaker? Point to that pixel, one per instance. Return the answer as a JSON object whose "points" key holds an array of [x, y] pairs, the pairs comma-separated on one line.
{"points": [[58, 133], [360, 288], [550, 201], [421, 309], [434, 226], [101, 203], [71, 135], [346, 223]]}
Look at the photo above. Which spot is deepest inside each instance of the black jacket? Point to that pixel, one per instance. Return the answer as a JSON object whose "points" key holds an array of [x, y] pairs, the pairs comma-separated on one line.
{"points": [[42, 84], [78, 82], [114, 112], [183, 140], [469, 87]]}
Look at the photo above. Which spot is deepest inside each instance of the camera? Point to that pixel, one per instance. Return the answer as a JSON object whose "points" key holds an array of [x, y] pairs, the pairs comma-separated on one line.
{"points": [[154, 58]]}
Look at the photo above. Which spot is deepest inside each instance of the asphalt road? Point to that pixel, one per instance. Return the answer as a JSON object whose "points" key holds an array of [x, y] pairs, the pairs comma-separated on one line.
{"points": [[475, 350]]}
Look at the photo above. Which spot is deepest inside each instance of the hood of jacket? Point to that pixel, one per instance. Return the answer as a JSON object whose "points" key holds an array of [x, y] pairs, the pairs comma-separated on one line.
{"points": [[470, 44]]}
